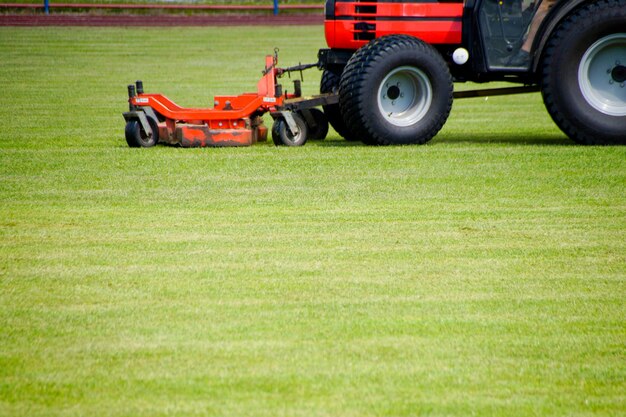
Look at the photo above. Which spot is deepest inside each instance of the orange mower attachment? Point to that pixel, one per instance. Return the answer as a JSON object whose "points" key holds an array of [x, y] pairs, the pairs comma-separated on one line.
{"points": [[234, 120]]}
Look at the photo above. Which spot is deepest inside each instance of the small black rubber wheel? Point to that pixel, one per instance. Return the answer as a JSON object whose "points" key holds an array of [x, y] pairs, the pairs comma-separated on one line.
{"points": [[316, 123], [396, 90], [330, 84], [137, 138], [584, 74], [282, 136]]}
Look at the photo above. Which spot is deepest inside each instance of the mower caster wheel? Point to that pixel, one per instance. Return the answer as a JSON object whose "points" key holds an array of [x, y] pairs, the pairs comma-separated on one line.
{"points": [[137, 138], [316, 123], [283, 136]]}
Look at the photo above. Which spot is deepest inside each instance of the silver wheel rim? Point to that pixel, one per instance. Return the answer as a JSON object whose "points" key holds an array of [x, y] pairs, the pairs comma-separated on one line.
{"points": [[601, 75], [289, 134], [404, 96]]}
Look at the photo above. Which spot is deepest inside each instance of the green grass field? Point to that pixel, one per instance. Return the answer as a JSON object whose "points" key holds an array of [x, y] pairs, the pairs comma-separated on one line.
{"points": [[481, 274]]}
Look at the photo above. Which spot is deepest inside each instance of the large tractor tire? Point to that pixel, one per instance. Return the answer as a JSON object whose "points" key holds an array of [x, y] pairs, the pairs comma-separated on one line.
{"points": [[396, 90], [584, 74], [330, 84]]}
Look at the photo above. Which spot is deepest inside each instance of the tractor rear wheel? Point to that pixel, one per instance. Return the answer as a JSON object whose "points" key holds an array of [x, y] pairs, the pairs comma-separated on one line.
{"points": [[584, 74], [330, 84], [395, 90], [137, 138]]}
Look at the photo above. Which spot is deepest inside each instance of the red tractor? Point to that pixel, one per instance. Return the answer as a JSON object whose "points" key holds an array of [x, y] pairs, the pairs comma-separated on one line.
{"points": [[393, 63]]}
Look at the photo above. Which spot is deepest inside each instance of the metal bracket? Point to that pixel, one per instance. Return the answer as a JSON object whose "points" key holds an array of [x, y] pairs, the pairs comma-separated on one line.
{"points": [[301, 103], [291, 122], [486, 92], [143, 120], [150, 113]]}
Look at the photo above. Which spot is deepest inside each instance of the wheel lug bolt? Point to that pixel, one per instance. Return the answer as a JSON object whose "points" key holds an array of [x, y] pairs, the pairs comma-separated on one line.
{"points": [[610, 81], [401, 94]]}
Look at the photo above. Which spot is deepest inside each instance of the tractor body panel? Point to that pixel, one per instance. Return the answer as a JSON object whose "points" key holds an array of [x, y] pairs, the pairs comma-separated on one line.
{"points": [[491, 30], [351, 24]]}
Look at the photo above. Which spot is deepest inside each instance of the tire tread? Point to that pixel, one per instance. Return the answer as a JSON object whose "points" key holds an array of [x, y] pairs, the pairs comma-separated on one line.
{"points": [[354, 83], [590, 12]]}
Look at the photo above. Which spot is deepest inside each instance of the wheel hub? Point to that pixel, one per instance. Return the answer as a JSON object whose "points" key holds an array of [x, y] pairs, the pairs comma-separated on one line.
{"points": [[619, 74], [404, 96], [602, 75], [393, 92]]}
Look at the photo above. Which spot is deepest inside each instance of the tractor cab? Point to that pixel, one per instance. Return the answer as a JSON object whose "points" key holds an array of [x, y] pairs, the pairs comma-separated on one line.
{"points": [[506, 30]]}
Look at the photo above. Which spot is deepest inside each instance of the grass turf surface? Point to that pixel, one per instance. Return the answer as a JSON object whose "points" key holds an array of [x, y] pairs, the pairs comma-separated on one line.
{"points": [[481, 274]]}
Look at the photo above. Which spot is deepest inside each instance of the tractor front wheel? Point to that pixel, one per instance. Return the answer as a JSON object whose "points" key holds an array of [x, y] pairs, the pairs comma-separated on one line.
{"points": [[396, 90], [584, 74]]}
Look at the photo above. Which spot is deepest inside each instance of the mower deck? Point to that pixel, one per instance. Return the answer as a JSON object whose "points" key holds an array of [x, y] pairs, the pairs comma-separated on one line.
{"points": [[233, 121]]}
